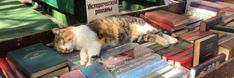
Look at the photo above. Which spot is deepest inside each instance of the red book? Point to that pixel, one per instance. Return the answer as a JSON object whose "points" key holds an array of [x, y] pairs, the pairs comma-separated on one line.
{"points": [[73, 74], [169, 54], [186, 61], [6, 69], [171, 59], [15, 69]]}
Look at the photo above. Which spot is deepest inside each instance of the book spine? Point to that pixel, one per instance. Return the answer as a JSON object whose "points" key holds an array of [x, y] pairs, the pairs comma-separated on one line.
{"points": [[6, 69], [185, 61], [146, 67], [224, 28], [172, 59], [205, 66], [13, 67], [174, 73], [135, 64]]}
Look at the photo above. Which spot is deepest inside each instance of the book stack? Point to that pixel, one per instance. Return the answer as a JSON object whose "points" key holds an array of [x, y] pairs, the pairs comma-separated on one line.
{"points": [[37, 61], [166, 20], [226, 46]]}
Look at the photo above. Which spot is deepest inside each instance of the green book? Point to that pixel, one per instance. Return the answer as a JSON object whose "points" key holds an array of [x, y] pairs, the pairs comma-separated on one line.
{"points": [[37, 60]]}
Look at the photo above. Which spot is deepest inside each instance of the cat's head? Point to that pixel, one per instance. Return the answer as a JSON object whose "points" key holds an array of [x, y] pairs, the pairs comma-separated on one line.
{"points": [[64, 40]]}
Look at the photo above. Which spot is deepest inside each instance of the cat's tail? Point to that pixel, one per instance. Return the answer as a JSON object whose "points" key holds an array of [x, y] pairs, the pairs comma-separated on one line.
{"points": [[160, 38]]}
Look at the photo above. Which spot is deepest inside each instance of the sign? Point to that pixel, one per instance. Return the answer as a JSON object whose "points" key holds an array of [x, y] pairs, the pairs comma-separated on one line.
{"points": [[101, 8]]}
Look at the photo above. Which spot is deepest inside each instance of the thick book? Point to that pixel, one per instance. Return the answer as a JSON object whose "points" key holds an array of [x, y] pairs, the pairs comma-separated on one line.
{"points": [[224, 28], [73, 74], [18, 73], [159, 72], [167, 20], [172, 59], [96, 71], [227, 48], [190, 37], [7, 71], [56, 73], [143, 69], [205, 48], [207, 65], [210, 23], [37, 60], [73, 60], [185, 61]]}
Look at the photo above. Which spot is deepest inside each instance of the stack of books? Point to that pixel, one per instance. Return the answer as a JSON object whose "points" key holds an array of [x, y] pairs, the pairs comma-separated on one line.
{"points": [[36, 61]]}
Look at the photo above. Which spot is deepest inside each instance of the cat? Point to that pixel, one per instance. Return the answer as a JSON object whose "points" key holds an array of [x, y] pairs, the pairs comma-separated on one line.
{"points": [[108, 31]]}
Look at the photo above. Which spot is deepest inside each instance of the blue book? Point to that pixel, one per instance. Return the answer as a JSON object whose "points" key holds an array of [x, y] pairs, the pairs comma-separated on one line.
{"points": [[144, 69], [96, 71]]}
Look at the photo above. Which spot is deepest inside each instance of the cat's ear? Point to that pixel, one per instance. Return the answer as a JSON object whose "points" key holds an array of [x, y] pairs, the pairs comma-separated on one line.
{"points": [[56, 31]]}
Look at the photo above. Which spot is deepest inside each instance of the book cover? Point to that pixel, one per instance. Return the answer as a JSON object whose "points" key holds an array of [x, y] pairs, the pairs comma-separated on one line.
{"points": [[210, 23], [37, 60], [131, 64], [140, 51], [159, 72], [18, 73], [205, 48], [5, 68], [207, 65], [73, 60], [96, 71], [114, 61], [144, 69], [190, 37], [209, 6], [118, 50], [227, 48], [73, 74], [224, 28], [186, 61]]}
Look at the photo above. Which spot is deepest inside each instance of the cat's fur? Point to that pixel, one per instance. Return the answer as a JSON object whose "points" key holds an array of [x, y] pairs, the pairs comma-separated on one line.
{"points": [[112, 30]]}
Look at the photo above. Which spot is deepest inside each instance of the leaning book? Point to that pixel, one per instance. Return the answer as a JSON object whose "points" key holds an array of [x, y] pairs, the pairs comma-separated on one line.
{"points": [[37, 60]]}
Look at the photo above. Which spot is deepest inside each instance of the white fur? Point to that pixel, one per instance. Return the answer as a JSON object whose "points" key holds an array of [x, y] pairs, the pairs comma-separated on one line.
{"points": [[86, 42]]}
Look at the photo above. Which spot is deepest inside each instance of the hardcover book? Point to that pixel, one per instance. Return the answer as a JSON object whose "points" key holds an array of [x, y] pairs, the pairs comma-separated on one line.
{"points": [[224, 28], [56, 73], [227, 48], [159, 72], [186, 61], [37, 60], [167, 20], [205, 48], [96, 71], [73, 74], [174, 73], [73, 60], [18, 73], [172, 59], [5, 68], [210, 23], [207, 65]]}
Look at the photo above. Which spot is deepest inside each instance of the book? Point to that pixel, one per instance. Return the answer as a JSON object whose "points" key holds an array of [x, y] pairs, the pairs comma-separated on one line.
{"points": [[56, 73], [186, 61], [131, 64], [190, 37], [171, 60], [207, 65], [143, 69], [96, 71], [73, 74], [5, 68], [210, 6], [210, 23], [224, 28], [18, 73], [114, 61], [118, 50], [140, 51], [159, 72], [36, 60], [205, 48], [221, 34], [174, 73], [167, 20], [227, 48]]}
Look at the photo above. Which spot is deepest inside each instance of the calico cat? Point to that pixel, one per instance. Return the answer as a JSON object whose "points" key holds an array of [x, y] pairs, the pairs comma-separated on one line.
{"points": [[108, 31]]}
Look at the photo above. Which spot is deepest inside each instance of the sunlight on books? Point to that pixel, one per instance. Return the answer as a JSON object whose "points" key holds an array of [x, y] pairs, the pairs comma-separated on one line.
{"points": [[202, 13]]}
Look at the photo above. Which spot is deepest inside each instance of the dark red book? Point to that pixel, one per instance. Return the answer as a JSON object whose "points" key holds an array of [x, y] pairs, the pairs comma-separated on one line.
{"points": [[169, 54], [186, 61], [15, 69], [6, 69], [172, 59]]}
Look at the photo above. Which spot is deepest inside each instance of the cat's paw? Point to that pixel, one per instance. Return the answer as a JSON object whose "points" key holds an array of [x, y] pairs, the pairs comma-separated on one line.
{"points": [[83, 63], [171, 40]]}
